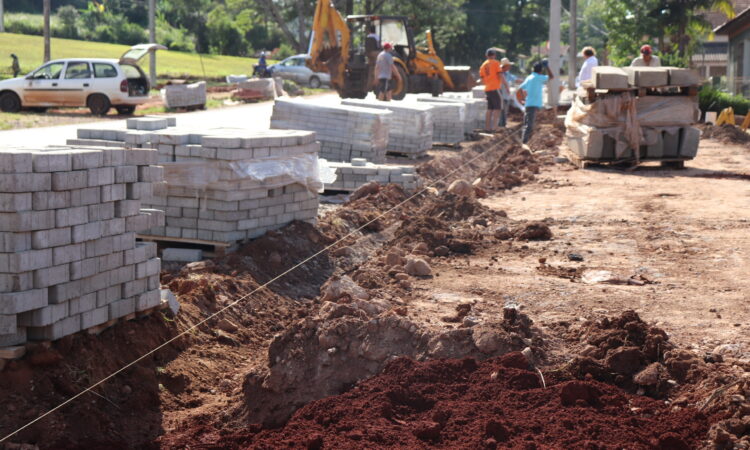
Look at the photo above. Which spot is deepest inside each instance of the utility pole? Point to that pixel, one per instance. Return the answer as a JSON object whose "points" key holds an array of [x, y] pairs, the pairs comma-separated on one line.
{"points": [[152, 39], [2, 17], [573, 52], [46, 11], [554, 52]]}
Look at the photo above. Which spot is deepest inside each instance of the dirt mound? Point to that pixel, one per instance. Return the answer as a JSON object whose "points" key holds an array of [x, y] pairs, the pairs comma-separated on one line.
{"points": [[547, 137], [633, 355], [727, 134], [498, 403], [348, 342], [511, 168]]}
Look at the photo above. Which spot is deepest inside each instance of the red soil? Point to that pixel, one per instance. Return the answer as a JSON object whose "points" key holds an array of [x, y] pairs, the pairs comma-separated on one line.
{"points": [[498, 403]]}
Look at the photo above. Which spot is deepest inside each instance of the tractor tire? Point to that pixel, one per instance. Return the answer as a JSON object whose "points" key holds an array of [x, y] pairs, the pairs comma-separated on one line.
{"points": [[99, 104], [436, 85], [9, 102], [401, 87]]}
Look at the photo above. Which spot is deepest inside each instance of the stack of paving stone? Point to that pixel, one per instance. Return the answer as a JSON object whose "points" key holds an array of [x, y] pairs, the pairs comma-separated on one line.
{"points": [[652, 108], [184, 95], [476, 110], [350, 176], [448, 121], [344, 132], [411, 129], [233, 186], [69, 259]]}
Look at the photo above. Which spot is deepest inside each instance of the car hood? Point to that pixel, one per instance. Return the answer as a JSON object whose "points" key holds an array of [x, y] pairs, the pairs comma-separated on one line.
{"points": [[12, 82]]}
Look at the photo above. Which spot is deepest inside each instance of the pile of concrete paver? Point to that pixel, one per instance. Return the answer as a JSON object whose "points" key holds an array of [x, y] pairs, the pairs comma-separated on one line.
{"points": [[448, 121], [237, 186], [636, 113], [69, 259], [411, 129], [476, 109], [344, 132], [350, 176], [225, 185]]}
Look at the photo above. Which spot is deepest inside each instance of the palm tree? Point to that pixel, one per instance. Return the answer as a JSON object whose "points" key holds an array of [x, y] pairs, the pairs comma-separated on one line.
{"points": [[682, 20]]}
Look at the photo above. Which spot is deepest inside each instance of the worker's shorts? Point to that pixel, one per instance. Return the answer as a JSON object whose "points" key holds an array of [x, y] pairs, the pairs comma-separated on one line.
{"points": [[384, 85], [494, 102]]}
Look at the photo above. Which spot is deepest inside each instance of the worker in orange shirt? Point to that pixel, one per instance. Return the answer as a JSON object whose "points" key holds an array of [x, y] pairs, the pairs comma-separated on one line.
{"points": [[491, 73]]}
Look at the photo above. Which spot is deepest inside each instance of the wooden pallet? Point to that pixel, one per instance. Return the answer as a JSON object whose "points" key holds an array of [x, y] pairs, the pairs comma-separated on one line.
{"points": [[98, 329], [211, 249], [410, 156]]}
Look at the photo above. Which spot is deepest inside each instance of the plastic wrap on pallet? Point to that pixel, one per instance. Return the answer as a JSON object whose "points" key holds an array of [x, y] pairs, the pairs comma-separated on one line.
{"points": [[182, 95], [264, 86], [344, 132]]}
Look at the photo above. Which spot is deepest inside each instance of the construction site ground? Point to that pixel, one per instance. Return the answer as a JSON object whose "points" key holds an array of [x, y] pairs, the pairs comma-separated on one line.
{"points": [[628, 287]]}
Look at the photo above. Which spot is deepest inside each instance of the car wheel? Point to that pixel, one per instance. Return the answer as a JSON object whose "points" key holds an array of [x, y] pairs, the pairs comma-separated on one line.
{"points": [[98, 104], [9, 102], [314, 82], [125, 110]]}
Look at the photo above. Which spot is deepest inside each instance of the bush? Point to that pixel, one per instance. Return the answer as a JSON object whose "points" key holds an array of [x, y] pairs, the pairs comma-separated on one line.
{"points": [[68, 17], [711, 99], [173, 38], [23, 26], [285, 51]]}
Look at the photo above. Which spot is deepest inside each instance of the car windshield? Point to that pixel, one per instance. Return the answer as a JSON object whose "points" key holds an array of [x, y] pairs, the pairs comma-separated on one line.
{"points": [[49, 72]]}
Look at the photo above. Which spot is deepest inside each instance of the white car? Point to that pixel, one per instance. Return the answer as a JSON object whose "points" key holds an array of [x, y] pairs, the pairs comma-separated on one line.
{"points": [[98, 84], [295, 68]]}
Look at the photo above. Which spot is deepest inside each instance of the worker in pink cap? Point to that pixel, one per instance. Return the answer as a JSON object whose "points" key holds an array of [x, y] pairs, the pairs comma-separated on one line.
{"points": [[647, 58]]}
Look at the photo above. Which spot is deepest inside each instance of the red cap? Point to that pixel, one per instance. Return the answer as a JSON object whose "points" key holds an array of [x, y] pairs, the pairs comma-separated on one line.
{"points": [[387, 46], [646, 49]]}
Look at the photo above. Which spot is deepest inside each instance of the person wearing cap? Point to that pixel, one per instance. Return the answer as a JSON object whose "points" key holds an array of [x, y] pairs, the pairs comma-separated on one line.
{"points": [[505, 94], [589, 62], [533, 86], [385, 70], [14, 66], [647, 58], [491, 73]]}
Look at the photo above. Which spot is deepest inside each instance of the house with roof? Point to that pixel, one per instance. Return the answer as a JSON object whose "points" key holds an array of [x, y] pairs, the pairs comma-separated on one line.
{"points": [[711, 57], [737, 32]]}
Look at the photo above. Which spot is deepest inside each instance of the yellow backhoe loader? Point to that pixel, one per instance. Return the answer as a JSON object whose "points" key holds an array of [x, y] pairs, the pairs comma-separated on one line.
{"points": [[347, 48]]}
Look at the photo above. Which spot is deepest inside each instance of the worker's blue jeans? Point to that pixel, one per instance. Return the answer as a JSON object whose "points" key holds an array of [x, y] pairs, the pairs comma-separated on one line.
{"points": [[504, 112], [528, 122]]}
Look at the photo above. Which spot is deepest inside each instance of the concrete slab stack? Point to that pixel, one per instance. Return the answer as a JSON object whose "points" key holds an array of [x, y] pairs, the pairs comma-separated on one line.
{"points": [[410, 131], [234, 186], [69, 259], [643, 117], [344, 132], [476, 110], [448, 121], [351, 176]]}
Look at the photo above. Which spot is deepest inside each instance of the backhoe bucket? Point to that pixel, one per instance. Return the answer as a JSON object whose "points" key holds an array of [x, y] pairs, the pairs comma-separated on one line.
{"points": [[461, 76]]}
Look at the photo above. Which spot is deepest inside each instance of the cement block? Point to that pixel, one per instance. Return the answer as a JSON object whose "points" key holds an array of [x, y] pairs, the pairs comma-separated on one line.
{"points": [[689, 143], [101, 211], [86, 159], [51, 275], [683, 77], [52, 162], [126, 174], [121, 308], [113, 192], [12, 352], [25, 182], [19, 302], [44, 316], [148, 300], [14, 202], [15, 162], [127, 208], [608, 77], [85, 196], [94, 317], [647, 76], [16, 282], [68, 217], [58, 330], [25, 261], [181, 255], [84, 268], [63, 292], [106, 296], [50, 200]]}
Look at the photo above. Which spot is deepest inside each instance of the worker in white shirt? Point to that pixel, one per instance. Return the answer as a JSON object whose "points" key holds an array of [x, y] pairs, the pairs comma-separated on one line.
{"points": [[589, 63], [647, 58]]}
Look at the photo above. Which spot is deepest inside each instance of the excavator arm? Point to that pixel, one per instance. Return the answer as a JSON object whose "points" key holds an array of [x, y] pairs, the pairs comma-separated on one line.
{"points": [[429, 63], [329, 43]]}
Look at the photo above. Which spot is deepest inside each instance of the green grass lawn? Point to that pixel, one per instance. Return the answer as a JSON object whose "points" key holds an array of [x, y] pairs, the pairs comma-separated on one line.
{"points": [[170, 64]]}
